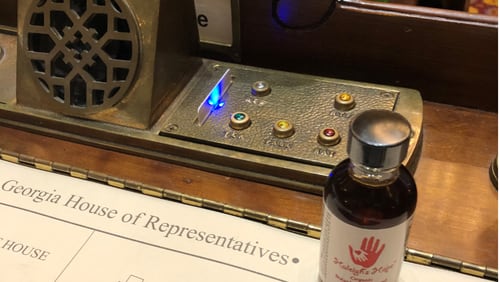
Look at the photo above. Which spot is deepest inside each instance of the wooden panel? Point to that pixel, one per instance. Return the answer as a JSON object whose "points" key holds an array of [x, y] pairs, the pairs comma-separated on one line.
{"points": [[459, 135], [457, 207], [456, 212], [451, 57], [8, 13]]}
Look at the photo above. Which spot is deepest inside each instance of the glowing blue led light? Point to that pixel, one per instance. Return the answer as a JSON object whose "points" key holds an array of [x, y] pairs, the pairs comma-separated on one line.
{"points": [[214, 98], [285, 11]]}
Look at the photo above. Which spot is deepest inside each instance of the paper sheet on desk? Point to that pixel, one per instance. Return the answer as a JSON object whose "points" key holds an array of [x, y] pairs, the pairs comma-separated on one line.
{"points": [[58, 228]]}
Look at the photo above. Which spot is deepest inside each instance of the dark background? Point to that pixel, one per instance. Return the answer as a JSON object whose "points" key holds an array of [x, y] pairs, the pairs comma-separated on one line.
{"points": [[450, 57]]}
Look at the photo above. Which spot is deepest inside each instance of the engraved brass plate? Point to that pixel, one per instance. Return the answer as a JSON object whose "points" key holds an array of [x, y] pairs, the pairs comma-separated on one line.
{"points": [[306, 102], [253, 149]]}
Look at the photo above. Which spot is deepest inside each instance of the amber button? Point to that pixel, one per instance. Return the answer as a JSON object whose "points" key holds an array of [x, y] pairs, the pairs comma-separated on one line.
{"points": [[283, 129], [344, 102]]}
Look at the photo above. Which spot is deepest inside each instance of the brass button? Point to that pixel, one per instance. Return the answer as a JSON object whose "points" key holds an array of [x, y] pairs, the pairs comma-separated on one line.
{"points": [[261, 88], [239, 121], [344, 102], [328, 137], [283, 129]]}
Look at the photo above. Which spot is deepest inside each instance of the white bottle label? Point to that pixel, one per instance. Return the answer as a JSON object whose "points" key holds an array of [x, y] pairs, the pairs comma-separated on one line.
{"points": [[352, 254]]}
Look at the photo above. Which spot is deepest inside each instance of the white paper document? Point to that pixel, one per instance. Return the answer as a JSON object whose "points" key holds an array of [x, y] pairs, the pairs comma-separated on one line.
{"points": [[58, 228]]}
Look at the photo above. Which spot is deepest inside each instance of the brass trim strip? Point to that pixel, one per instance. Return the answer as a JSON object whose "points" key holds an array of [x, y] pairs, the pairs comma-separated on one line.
{"points": [[133, 185], [78, 172], [452, 264], [9, 156], [228, 209], [59, 167], [152, 191], [212, 205], [97, 176], [192, 201], [411, 255], [116, 182], [43, 165], [26, 159]]}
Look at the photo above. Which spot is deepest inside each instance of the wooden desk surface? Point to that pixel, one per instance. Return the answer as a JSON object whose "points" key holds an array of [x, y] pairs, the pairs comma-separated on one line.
{"points": [[457, 212]]}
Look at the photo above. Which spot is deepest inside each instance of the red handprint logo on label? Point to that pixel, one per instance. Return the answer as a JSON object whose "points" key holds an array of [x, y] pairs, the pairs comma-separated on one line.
{"points": [[367, 254]]}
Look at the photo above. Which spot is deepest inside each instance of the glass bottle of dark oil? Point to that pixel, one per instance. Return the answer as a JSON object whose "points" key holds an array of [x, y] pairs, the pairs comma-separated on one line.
{"points": [[369, 201]]}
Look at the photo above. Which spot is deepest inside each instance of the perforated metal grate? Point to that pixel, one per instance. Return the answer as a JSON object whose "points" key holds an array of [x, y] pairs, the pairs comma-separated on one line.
{"points": [[84, 53]]}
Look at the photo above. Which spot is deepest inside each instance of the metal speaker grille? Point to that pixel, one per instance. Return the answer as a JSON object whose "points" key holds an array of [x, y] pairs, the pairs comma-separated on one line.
{"points": [[84, 53]]}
